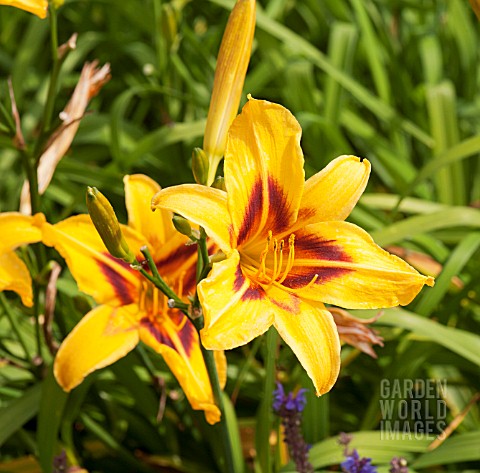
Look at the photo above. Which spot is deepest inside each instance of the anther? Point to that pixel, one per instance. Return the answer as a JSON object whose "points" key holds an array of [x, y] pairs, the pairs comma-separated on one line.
{"points": [[171, 303], [311, 283]]}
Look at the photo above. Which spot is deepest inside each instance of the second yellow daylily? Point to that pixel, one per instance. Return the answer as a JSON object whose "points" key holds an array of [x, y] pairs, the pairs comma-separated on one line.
{"points": [[288, 249], [131, 309], [17, 230], [37, 7]]}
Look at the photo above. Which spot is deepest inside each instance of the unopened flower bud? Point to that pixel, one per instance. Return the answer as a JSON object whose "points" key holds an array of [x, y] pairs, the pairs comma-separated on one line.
{"points": [[232, 63], [219, 183], [105, 221], [199, 166], [182, 225]]}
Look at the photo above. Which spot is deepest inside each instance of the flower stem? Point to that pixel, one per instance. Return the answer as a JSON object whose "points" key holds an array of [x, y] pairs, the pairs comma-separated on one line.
{"points": [[32, 177], [265, 416], [52, 86], [158, 281], [217, 395], [197, 321]]}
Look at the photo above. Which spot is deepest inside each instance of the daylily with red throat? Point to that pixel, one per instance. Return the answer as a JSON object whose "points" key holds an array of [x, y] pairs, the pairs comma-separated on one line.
{"points": [[17, 230], [131, 309], [288, 249]]}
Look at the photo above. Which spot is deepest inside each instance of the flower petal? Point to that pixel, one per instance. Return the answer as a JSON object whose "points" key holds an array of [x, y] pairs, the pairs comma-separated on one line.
{"points": [[264, 173], [312, 335], [14, 276], [235, 310], [37, 7], [105, 278], [202, 205], [180, 347], [177, 261], [18, 229], [157, 226], [332, 193], [339, 263], [103, 336]]}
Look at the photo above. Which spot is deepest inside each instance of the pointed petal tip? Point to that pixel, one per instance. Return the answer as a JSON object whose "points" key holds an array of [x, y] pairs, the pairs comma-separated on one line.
{"points": [[212, 413], [62, 378], [38, 220]]}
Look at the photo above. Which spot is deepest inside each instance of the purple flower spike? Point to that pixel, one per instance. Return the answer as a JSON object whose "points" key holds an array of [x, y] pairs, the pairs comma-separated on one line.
{"points": [[289, 408]]}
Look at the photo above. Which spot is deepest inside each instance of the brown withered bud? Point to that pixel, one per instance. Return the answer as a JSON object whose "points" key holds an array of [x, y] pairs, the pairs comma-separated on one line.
{"points": [[355, 331]]}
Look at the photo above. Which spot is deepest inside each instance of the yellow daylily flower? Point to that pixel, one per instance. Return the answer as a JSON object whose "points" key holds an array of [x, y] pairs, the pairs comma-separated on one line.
{"points": [[131, 309], [287, 248], [37, 7], [232, 64], [16, 230]]}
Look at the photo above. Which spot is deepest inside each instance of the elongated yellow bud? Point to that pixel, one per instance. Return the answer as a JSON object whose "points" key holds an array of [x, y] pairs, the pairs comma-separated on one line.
{"points": [[232, 63], [105, 221]]}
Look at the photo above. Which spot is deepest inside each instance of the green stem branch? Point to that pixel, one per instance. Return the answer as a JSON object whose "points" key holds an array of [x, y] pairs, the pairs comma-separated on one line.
{"points": [[208, 356]]}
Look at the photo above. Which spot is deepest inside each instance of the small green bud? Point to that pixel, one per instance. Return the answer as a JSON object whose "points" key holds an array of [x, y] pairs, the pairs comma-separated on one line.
{"points": [[105, 221], [199, 166], [219, 183], [182, 225]]}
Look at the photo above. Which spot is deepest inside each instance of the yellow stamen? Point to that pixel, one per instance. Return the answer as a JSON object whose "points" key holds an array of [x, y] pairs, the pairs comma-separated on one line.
{"points": [[180, 284], [274, 273], [262, 270], [179, 327], [291, 258], [267, 276], [280, 259], [310, 284]]}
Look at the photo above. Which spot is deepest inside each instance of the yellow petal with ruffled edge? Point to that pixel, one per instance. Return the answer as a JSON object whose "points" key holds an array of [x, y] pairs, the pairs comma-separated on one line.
{"points": [[14, 276], [105, 278], [264, 173], [37, 7], [339, 263], [235, 312], [311, 333], [332, 193], [18, 229], [202, 205], [179, 345], [103, 336], [157, 226]]}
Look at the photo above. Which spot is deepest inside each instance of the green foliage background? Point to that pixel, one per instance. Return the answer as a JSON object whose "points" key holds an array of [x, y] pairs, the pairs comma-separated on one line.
{"points": [[396, 82]]}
